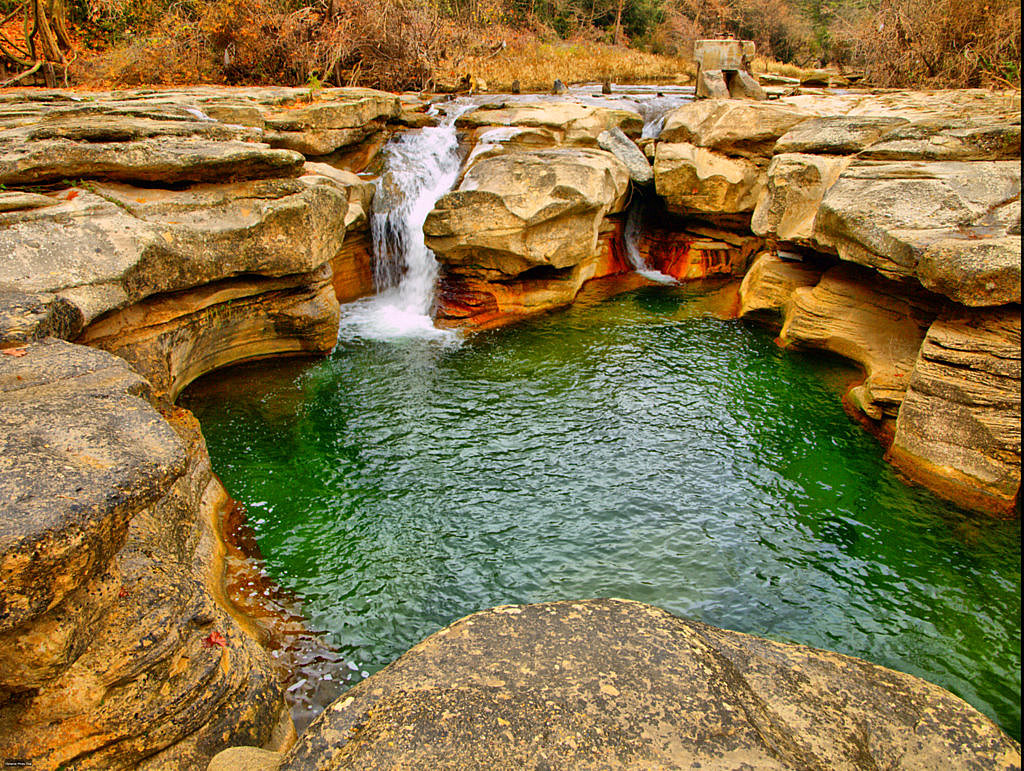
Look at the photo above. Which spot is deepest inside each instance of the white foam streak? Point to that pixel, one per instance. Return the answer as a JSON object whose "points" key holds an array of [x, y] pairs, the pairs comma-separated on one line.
{"points": [[631, 239]]}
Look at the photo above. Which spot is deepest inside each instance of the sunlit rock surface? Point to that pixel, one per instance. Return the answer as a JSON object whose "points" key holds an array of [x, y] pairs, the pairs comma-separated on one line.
{"points": [[769, 284], [564, 123], [113, 653], [619, 684], [874, 322], [910, 219], [219, 273]]}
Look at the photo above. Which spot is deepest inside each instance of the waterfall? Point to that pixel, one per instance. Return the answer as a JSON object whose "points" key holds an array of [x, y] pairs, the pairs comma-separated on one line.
{"points": [[419, 167], [631, 239]]}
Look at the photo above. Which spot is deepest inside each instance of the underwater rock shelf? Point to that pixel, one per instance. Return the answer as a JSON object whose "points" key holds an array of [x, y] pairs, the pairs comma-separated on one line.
{"points": [[155, 236]]}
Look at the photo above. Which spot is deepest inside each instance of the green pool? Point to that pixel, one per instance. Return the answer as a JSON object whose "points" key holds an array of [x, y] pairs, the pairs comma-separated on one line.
{"points": [[626, 448]]}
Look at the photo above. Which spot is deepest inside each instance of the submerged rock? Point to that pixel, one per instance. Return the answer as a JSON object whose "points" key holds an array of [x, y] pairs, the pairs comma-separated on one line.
{"points": [[619, 684]]}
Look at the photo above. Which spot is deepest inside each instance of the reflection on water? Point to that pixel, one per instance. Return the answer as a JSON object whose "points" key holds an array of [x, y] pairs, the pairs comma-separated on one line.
{"points": [[630, 448]]}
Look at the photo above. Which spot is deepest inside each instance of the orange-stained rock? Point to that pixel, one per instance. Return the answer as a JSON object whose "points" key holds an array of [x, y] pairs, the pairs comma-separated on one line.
{"points": [[958, 430], [697, 252], [469, 302], [875, 322], [352, 268]]}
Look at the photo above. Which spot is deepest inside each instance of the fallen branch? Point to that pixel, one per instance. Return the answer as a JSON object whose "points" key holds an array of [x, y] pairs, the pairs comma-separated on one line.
{"points": [[25, 74]]}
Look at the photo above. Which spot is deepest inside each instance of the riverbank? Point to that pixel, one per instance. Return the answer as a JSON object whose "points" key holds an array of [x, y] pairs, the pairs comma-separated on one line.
{"points": [[184, 231]]}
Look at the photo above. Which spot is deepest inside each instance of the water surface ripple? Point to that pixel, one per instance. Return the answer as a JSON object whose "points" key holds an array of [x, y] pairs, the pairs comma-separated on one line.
{"points": [[620, 449]]}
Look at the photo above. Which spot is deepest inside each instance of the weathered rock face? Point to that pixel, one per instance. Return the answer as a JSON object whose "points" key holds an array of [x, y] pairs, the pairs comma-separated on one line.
{"points": [[618, 684], [566, 123], [520, 211], [695, 251], [469, 302], [954, 226], [959, 426], [874, 322], [521, 232], [788, 205], [746, 129], [836, 135], [107, 548], [695, 180], [768, 286], [115, 647], [623, 148], [198, 134], [183, 282]]}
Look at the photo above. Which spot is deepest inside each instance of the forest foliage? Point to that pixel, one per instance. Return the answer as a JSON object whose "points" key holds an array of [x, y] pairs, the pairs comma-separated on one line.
{"points": [[413, 44]]}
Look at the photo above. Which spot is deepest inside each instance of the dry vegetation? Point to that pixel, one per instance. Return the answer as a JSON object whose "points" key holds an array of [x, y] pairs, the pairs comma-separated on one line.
{"points": [[433, 44], [534, 64]]}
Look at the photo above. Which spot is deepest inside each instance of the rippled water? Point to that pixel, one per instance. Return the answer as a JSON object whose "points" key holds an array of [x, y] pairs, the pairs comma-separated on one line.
{"points": [[628, 448]]}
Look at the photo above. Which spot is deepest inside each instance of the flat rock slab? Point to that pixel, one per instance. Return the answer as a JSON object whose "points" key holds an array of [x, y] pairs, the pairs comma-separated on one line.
{"points": [[619, 684], [80, 453], [954, 226], [110, 245]]}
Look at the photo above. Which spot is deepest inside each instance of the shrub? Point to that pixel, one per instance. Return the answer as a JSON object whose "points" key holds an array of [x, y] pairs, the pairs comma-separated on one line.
{"points": [[938, 43]]}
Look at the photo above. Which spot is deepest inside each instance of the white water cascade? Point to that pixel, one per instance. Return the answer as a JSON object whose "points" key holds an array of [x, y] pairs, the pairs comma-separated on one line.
{"points": [[420, 166], [631, 239]]}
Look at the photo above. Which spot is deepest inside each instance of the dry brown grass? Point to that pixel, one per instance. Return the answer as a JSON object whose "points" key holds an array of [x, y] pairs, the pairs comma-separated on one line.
{"points": [[536, 63]]}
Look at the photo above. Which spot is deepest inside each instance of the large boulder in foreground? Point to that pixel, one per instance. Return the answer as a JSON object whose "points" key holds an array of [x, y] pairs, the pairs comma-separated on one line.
{"points": [[618, 684]]}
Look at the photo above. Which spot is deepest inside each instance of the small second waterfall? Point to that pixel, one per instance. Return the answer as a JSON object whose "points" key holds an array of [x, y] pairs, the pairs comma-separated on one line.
{"points": [[420, 166], [631, 240]]}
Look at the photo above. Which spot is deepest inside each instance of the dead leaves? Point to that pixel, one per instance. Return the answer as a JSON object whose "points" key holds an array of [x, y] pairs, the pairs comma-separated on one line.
{"points": [[214, 639], [18, 352]]}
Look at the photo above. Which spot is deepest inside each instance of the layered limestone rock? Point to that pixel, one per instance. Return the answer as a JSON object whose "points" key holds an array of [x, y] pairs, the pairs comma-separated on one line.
{"points": [[520, 233], [788, 205], [690, 252], [194, 134], [711, 155], [113, 653], [877, 323], [768, 286], [619, 684], [181, 282], [954, 226], [188, 244], [560, 123], [958, 429], [695, 180]]}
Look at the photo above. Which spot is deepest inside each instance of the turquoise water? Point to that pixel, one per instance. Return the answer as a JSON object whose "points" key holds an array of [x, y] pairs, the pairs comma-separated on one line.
{"points": [[627, 448]]}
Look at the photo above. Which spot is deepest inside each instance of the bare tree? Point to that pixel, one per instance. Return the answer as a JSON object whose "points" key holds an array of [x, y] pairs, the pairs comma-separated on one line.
{"points": [[45, 43]]}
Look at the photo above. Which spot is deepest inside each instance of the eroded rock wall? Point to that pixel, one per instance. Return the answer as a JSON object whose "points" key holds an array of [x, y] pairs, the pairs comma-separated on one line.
{"points": [[907, 212], [114, 654], [194, 237]]}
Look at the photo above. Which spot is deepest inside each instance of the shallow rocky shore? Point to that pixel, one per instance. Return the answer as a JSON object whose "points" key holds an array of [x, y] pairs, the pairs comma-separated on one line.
{"points": [[155, 236]]}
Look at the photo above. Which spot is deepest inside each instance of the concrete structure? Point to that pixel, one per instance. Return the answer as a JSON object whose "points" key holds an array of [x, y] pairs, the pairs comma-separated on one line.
{"points": [[723, 69]]}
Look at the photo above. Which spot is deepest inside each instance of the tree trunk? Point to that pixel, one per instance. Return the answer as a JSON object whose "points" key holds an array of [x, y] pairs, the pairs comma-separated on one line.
{"points": [[618, 23]]}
